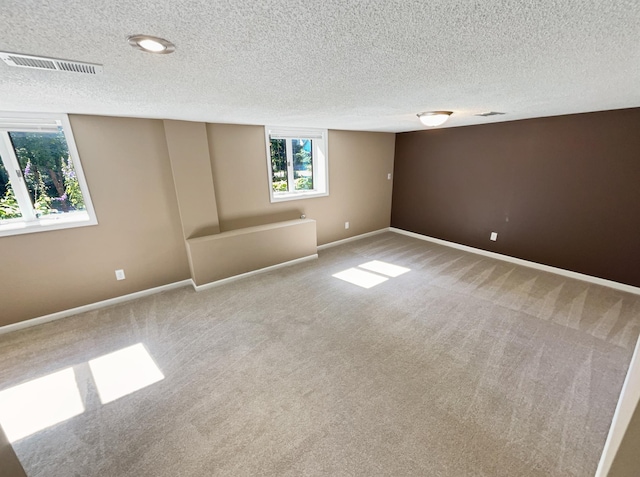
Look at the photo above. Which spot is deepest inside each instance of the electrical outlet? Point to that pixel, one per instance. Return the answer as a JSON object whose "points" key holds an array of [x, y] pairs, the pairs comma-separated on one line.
{"points": [[389, 176], [494, 236], [346, 225], [120, 274]]}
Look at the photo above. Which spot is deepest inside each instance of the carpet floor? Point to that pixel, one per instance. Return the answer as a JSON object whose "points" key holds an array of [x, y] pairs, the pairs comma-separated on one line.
{"points": [[461, 366]]}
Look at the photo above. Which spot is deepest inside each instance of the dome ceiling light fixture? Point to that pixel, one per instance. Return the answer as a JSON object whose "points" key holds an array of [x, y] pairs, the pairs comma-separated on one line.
{"points": [[151, 44], [434, 118]]}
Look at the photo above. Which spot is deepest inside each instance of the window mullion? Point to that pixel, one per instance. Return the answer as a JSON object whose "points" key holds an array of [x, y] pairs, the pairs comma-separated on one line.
{"points": [[291, 183], [16, 178], [314, 164]]}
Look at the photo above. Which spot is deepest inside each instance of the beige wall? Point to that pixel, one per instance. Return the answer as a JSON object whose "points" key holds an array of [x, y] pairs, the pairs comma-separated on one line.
{"points": [[127, 167], [189, 156], [359, 191], [129, 176], [240, 251]]}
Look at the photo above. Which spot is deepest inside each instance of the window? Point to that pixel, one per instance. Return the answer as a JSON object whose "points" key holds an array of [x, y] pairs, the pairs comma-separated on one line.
{"points": [[297, 161], [41, 182]]}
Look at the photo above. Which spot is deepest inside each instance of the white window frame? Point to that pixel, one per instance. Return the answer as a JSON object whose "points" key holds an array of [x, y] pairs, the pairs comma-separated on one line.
{"points": [[320, 161], [29, 222]]}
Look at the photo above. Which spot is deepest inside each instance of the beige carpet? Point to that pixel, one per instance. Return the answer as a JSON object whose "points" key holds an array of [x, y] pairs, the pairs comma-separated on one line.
{"points": [[463, 366]]}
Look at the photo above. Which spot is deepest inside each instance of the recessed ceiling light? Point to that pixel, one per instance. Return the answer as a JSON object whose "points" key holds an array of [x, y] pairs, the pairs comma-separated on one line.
{"points": [[434, 118], [151, 44]]}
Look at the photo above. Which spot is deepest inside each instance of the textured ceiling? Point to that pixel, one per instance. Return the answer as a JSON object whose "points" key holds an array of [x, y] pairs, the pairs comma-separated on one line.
{"points": [[342, 64]]}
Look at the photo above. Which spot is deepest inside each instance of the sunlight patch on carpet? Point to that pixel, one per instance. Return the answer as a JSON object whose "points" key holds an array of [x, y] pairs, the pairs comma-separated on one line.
{"points": [[360, 277], [384, 268], [40, 403], [370, 274], [124, 372]]}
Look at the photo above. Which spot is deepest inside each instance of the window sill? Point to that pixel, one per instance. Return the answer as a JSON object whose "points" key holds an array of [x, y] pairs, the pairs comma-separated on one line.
{"points": [[285, 196], [46, 224]]}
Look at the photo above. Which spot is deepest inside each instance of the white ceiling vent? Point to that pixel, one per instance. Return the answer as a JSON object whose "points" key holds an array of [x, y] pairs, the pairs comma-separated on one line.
{"points": [[489, 113], [42, 63]]}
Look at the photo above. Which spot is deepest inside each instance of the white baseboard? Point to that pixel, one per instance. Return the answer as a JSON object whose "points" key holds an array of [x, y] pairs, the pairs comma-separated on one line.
{"points": [[132, 296], [526, 263], [217, 283], [92, 306], [630, 394], [629, 398], [351, 239]]}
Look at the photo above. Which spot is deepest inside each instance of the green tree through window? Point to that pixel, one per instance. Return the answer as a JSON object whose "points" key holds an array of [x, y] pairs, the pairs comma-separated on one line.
{"points": [[48, 171], [297, 162], [42, 185], [279, 165], [302, 164]]}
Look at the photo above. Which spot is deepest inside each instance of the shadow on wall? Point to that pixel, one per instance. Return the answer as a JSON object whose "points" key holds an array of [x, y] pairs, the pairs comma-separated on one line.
{"points": [[254, 220]]}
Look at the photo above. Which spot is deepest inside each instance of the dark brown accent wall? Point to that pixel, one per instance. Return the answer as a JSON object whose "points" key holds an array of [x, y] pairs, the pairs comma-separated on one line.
{"points": [[562, 191]]}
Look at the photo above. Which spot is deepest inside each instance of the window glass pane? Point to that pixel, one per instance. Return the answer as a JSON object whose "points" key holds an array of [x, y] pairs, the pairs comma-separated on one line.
{"points": [[48, 172], [302, 163], [9, 208], [279, 165], [297, 159]]}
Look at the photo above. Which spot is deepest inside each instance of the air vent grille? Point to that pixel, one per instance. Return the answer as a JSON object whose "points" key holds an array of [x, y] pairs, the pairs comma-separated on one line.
{"points": [[33, 62], [42, 63], [77, 67], [490, 113]]}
